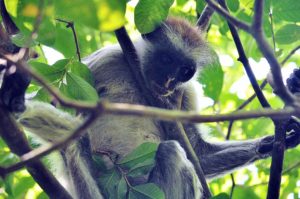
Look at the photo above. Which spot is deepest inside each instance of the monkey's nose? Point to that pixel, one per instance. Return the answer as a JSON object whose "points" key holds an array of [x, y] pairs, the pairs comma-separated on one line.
{"points": [[168, 82]]}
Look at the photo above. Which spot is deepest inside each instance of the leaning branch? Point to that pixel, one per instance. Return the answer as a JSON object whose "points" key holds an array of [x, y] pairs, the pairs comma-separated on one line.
{"points": [[256, 30], [244, 60], [16, 141]]}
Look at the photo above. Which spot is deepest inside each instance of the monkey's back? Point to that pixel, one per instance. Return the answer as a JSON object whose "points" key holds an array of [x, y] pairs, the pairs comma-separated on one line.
{"points": [[114, 82]]}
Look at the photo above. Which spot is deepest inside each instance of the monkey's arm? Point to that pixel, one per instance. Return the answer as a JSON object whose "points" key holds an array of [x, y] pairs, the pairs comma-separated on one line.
{"points": [[218, 158]]}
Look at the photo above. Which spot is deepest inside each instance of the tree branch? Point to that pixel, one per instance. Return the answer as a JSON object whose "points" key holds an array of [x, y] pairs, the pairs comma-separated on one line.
{"points": [[277, 160], [10, 26], [228, 17], [244, 60], [16, 141], [204, 19]]}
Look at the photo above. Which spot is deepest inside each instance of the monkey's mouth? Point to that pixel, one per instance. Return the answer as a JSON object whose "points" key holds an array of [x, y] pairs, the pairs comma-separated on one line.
{"points": [[159, 90]]}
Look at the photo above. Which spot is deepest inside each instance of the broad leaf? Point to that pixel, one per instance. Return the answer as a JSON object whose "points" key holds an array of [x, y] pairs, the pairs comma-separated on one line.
{"points": [[221, 196], [122, 189], [142, 153], [79, 89], [105, 15], [287, 10], [109, 181], [233, 5], [51, 73], [149, 14], [288, 34], [142, 168], [146, 191], [211, 77], [26, 13]]}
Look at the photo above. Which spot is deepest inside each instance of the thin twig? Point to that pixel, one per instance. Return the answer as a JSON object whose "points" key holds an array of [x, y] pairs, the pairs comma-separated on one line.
{"points": [[244, 60], [229, 17], [204, 19], [290, 55], [70, 24], [294, 166], [272, 29], [256, 30]]}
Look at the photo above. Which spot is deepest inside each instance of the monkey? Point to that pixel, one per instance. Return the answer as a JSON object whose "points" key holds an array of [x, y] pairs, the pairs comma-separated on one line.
{"points": [[171, 57]]}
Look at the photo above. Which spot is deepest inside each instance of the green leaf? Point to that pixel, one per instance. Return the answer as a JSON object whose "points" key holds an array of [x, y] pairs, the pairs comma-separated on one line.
{"points": [[42, 95], [109, 181], [99, 163], [245, 192], [287, 10], [211, 77], [105, 15], [23, 40], [146, 191], [22, 186], [122, 189], [25, 14], [51, 73], [221, 196], [233, 5], [8, 182], [142, 153], [79, 89], [288, 34], [149, 14], [181, 2], [200, 4], [82, 71], [142, 168]]}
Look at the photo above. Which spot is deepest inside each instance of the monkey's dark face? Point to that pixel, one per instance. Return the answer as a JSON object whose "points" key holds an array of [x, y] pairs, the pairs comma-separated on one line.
{"points": [[165, 68]]}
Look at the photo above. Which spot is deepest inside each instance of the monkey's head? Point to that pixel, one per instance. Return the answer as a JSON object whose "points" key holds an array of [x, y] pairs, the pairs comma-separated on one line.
{"points": [[174, 52]]}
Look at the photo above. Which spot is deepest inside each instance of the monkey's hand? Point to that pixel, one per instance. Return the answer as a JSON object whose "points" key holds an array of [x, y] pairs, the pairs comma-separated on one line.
{"points": [[12, 92], [293, 82], [292, 139]]}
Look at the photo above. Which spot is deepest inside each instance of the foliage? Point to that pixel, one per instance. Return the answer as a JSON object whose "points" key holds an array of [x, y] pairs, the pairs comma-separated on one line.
{"points": [[114, 181], [92, 18]]}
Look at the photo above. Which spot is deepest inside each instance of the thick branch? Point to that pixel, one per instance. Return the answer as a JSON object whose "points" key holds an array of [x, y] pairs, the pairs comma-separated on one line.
{"points": [[10, 26], [258, 15], [277, 161], [18, 144]]}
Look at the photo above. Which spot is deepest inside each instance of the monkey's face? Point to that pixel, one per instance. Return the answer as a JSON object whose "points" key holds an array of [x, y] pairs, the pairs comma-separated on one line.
{"points": [[165, 68]]}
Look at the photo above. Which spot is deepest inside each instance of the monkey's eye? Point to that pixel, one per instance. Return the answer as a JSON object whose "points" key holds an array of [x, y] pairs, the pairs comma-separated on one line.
{"points": [[186, 73]]}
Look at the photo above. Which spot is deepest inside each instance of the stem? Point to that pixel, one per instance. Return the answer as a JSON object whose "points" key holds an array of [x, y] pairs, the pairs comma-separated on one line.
{"points": [[70, 24]]}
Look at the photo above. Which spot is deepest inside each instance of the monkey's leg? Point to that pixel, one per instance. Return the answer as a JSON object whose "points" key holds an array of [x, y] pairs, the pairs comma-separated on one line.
{"points": [[81, 174], [174, 173], [53, 125]]}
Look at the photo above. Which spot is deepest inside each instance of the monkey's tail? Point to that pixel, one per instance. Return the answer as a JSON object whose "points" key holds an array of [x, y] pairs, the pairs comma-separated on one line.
{"points": [[47, 122]]}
